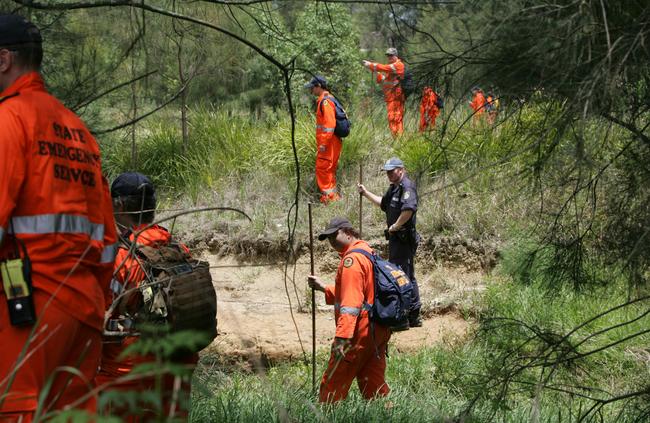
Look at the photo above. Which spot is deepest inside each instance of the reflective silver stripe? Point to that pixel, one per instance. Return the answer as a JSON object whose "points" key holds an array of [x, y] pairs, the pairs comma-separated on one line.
{"points": [[354, 311], [391, 83], [116, 286], [329, 191], [324, 128], [2, 234], [109, 253], [56, 224], [393, 67]]}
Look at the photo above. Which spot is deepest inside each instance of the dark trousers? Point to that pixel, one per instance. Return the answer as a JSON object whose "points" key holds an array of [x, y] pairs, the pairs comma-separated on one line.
{"points": [[402, 254]]}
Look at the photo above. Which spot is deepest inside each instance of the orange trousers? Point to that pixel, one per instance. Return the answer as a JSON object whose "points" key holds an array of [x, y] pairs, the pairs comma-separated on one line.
{"points": [[327, 159], [428, 118], [168, 387], [363, 362], [59, 340], [395, 110], [115, 374]]}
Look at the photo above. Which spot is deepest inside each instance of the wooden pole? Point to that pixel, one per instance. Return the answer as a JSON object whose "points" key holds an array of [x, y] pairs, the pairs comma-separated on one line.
{"points": [[313, 304], [361, 201]]}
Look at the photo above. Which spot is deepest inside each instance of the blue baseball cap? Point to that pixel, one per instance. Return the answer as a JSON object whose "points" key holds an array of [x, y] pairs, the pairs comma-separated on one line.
{"points": [[133, 184], [317, 80], [16, 30], [393, 163]]}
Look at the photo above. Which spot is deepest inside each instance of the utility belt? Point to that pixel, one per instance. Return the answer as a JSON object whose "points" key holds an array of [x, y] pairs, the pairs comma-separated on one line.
{"points": [[405, 235]]}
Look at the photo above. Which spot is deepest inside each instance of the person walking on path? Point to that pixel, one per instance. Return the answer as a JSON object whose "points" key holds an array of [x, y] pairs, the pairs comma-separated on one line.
{"points": [[359, 347], [57, 239], [400, 203], [327, 143], [389, 76]]}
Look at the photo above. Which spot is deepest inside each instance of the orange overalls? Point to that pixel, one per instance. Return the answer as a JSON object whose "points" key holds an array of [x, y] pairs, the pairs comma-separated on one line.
{"points": [[478, 105], [429, 111], [113, 369], [352, 296], [55, 201], [328, 148], [389, 77]]}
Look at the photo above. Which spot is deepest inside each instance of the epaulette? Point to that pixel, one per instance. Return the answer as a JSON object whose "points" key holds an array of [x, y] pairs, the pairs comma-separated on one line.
{"points": [[7, 97]]}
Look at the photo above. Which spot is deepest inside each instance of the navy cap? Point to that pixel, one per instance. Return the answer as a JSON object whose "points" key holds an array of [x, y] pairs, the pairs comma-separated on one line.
{"points": [[393, 163], [16, 30], [132, 184], [316, 80], [334, 225]]}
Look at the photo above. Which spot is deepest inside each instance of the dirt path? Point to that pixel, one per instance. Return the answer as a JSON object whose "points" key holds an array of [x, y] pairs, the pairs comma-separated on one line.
{"points": [[255, 318]]}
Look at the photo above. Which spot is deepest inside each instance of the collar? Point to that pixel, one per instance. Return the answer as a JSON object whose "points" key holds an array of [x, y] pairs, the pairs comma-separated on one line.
{"points": [[26, 82], [323, 94], [401, 181], [356, 244]]}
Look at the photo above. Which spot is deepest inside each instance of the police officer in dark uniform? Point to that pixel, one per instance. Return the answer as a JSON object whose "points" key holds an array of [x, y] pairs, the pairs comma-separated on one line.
{"points": [[400, 203]]}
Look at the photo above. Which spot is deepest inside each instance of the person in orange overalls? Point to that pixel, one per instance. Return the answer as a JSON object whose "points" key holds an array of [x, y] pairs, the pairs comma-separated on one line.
{"points": [[359, 347], [389, 77], [55, 212], [327, 143], [429, 110], [477, 104], [134, 202]]}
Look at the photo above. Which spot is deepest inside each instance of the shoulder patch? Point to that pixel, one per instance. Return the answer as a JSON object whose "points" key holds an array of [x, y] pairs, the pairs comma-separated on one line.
{"points": [[407, 195], [349, 261], [325, 103]]}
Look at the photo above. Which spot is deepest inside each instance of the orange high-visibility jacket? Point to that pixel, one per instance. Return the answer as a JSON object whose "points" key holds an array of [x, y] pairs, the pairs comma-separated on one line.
{"points": [[325, 119], [389, 77], [54, 199], [478, 103], [353, 293]]}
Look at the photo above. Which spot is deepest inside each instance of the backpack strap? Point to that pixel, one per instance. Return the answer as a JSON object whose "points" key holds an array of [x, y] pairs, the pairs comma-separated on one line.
{"points": [[371, 256], [328, 97]]}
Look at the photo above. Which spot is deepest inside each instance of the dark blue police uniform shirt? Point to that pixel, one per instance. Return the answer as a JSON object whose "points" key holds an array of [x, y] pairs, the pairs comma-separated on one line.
{"points": [[400, 197]]}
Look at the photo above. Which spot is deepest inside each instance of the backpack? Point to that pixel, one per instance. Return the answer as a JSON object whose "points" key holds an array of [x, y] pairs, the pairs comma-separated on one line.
{"points": [[440, 102], [407, 82], [393, 292], [343, 123], [177, 293]]}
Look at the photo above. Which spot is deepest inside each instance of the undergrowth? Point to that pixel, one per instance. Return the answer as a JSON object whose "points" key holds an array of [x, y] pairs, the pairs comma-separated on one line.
{"points": [[505, 371]]}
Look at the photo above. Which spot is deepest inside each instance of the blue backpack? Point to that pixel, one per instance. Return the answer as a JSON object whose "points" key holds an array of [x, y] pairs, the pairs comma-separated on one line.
{"points": [[393, 291], [343, 123]]}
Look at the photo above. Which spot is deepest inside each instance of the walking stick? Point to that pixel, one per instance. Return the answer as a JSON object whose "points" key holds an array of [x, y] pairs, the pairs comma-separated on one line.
{"points": [[361, 201], [313, 304]]}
